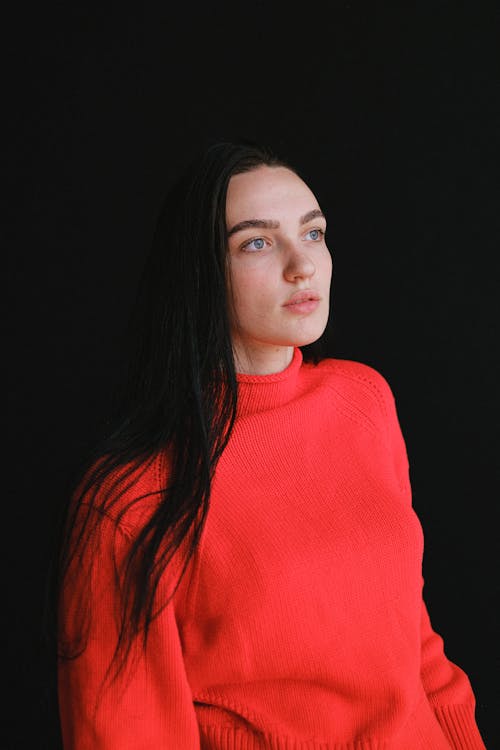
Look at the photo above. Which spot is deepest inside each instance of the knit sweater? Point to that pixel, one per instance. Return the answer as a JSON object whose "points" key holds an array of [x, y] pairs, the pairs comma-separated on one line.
{"points": [[300, 623]]}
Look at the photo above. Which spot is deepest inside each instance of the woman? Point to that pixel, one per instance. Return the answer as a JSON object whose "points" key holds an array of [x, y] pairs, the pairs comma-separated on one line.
{"points": [[241, 566]]}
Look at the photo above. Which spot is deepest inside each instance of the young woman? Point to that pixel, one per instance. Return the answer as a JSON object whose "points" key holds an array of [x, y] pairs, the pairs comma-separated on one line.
{"points": [[241, 566]]}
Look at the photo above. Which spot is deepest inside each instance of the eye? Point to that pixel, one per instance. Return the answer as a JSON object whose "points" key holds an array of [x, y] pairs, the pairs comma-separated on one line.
{"points": [[258, 243], [316, 235]]}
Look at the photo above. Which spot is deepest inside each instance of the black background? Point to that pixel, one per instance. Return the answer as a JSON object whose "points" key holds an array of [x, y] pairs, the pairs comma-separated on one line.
{"points": [[390, 110]]}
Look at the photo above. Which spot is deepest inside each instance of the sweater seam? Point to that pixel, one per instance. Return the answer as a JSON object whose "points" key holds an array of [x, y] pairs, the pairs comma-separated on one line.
{"points": [[376, 390], [119, 525], [360, 418]]}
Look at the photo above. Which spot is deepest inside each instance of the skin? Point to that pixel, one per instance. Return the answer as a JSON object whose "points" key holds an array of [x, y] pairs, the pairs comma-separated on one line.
{"points": [[268, 264]]}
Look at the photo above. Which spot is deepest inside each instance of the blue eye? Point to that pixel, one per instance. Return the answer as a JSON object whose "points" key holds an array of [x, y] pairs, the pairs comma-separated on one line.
{"points": [[257, 244], [315, 234]]}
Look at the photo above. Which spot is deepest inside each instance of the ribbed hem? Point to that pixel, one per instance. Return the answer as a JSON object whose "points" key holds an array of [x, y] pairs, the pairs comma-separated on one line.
{"points": [[459, 725], [227, 738]]}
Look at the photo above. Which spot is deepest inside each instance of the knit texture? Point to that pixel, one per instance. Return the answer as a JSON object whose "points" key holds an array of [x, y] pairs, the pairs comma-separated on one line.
{"points": [[300, 623]]}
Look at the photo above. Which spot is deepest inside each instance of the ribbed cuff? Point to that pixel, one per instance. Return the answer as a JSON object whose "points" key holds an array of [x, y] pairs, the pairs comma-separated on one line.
{"points": [[459, 725]]}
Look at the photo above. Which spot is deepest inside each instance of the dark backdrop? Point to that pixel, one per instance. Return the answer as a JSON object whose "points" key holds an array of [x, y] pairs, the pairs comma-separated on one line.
{"points": [[391, 114]]}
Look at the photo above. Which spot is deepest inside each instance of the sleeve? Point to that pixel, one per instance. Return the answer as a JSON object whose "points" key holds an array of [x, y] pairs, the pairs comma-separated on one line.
{"points": [[448, 690], [447, 687], [149, 705]]}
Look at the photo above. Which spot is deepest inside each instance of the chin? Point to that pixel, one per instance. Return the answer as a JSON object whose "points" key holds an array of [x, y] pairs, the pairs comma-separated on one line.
{"points": [[302, 340], [309, 337]]}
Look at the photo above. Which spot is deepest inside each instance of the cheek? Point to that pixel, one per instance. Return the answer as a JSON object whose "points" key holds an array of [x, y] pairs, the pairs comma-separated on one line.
{"points": [[245, 296], [327, 267], [251, 288], [241, 285]]}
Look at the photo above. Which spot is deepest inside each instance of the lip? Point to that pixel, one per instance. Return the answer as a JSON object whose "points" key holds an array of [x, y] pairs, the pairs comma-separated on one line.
{"points": [[302, 297]]}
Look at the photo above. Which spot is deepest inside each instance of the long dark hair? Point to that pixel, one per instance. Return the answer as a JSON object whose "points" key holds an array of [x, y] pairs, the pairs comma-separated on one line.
{"points": [[178, 397]]}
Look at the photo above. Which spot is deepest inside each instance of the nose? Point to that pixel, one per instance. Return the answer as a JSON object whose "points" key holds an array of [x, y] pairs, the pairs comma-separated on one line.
{"points": [[298, 265]]}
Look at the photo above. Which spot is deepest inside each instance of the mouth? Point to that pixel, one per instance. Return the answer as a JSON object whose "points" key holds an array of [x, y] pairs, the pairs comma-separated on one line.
{"points": [[302, 303], [299, 298]]}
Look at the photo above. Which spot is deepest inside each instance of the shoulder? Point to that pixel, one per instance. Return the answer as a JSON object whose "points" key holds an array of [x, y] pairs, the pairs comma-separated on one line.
{"points": [[357, 381], [360, 372], [126, 495]]}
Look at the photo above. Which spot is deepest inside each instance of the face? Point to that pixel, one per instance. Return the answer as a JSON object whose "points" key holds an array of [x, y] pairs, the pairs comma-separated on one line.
{"points": [[279, 268]]}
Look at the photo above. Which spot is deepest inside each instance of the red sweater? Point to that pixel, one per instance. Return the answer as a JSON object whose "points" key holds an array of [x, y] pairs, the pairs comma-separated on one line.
{"points": [[300, 624]]}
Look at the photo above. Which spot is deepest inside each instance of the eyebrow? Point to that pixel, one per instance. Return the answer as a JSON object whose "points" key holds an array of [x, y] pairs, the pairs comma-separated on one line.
{"points": [[272, 223]]}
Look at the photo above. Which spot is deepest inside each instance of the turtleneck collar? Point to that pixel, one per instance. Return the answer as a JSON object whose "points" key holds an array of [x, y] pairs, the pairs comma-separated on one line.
{"points": [[258, 393]]}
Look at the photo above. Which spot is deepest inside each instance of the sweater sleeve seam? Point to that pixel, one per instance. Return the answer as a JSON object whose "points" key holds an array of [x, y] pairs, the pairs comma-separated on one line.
{"points": [[125, 530], [363, 421], [368, 379]]}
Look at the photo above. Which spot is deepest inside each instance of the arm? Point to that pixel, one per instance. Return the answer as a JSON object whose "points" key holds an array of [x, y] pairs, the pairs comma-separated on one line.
{"points": [[448, 690], [147, 706], [447, 687]]}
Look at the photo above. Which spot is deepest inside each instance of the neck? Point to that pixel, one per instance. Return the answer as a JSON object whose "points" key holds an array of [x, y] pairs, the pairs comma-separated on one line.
{"points": [[262, 361]]}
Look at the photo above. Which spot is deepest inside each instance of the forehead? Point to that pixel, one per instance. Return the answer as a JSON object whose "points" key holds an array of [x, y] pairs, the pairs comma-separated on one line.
{"points": [[267, 193]]}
